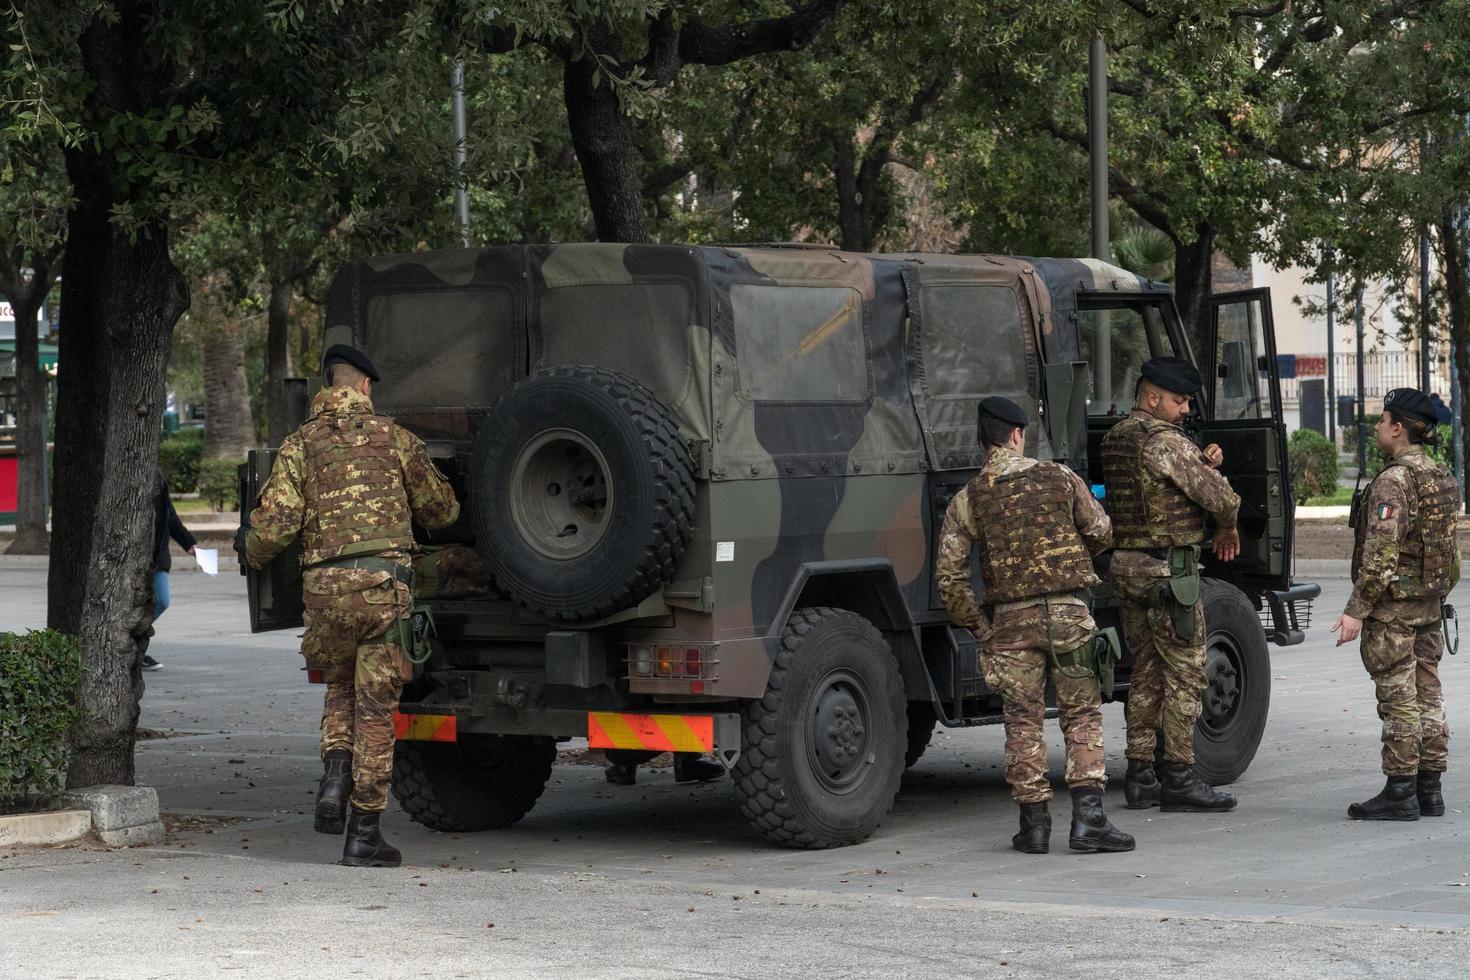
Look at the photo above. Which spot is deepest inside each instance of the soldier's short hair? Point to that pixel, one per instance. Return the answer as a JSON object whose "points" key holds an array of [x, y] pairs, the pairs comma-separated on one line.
{"points": [[344, 373], [994, 432]]}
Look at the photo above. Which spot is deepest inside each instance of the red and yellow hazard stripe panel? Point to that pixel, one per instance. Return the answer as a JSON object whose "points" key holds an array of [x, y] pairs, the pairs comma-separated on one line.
{"points": [[425, 728], [663, 733]]}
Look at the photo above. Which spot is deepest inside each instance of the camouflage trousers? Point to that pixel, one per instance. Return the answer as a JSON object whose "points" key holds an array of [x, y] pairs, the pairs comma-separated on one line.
{"points": [[348, 637], [1404, 664], [1167, 679], [1019, 677]]}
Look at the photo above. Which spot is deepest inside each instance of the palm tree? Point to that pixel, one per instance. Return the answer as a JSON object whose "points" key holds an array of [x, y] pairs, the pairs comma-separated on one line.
{"points": [[1145, 251]]}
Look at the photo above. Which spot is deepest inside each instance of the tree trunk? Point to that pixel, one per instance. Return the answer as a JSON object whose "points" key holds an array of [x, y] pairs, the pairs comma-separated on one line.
{"points": [[605, 151], [122, 302], [854, 235], [31, 537], [277, 361], [1193, 282], [229, 430], [1457, 295]]}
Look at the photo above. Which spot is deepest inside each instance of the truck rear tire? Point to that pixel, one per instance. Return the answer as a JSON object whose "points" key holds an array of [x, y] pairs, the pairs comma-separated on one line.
{"points": [[823, 751], [1237, 694], [920, 732], [583, 493], [481, 782]]}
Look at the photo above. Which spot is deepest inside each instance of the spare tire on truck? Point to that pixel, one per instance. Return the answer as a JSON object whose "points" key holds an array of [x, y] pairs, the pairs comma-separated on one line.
{"points": [[583, 493]]}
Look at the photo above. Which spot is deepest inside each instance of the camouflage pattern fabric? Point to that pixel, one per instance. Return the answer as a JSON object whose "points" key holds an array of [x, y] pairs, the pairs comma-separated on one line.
{"points": [[352, 620], [1404, 664], [961, 531], [1168, 671], [351, 613], [1015, 662], [1017, 647], [453, 571], [283, 511], [1388, 523]]}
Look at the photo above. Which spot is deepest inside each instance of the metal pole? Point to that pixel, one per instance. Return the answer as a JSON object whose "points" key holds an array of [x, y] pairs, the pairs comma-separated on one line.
{"points": [[1331, 368], [1362, 415], [461, 150], [1097, 133], [1424, 380]]}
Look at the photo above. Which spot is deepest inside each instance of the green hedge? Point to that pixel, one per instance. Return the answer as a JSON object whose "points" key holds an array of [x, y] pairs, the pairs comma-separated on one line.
{"points": [[179, 457], [1313, 465], [219, 483], [40, 703]]}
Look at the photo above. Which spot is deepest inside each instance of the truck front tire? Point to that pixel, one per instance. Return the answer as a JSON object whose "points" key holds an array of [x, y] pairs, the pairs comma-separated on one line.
{"points": [[481, 782], [823, 750], [1237, 694]]}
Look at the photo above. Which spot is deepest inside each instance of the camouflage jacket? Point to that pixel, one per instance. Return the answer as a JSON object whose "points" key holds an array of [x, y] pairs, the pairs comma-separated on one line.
{"points": [[1385, 514], [281, 513], [960, 531], [1170, 456]]}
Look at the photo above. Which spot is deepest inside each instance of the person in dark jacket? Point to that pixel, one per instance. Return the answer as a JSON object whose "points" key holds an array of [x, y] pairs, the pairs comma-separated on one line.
{"points": [[166, 525]]}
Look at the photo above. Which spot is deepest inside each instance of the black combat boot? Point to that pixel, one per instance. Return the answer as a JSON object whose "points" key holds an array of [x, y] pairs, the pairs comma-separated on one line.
{"points": [[1091, 830], [1184, 791], [332, 794], [1431, 800], [1140, 786], [365, 845], [1035, 835], [621, 774], [690, 768], [1398, 800]]}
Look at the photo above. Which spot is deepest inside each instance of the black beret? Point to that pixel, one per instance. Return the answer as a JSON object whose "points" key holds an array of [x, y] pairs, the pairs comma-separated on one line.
{"points": [[1172, 374], [1003, 409], [345, 354], [1411, 403]]}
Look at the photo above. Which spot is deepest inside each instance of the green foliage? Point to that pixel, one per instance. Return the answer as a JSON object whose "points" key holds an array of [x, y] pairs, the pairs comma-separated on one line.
{"points": [[179, 458], [40, 703], [219, 483], [1313, 461]]}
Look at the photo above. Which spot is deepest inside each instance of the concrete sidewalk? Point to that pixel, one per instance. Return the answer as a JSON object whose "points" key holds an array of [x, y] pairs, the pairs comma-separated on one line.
{"points": [[667, 880]]}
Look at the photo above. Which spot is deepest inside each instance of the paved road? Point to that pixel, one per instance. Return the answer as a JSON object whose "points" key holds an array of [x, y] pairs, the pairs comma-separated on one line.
{"points": [[665, 880]]}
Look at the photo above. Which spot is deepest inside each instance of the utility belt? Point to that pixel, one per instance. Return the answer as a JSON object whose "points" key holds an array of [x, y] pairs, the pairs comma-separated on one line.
{"points": [[414, 630], [1179, 596]]}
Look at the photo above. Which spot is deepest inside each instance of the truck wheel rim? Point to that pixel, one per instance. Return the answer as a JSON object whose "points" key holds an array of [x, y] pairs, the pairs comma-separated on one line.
{"points": [[561, 497], [1224, 687], [838, 747]]}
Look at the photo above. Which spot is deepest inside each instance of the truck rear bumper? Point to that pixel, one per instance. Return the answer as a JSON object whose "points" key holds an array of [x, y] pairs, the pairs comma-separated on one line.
{"points": [[1287, 614]]}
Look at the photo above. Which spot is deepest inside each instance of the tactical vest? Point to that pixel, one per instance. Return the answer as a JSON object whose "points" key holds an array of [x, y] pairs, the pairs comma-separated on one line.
{"points": [[1147, 511], [356, 503], [1032, 547], [1427, 554]]}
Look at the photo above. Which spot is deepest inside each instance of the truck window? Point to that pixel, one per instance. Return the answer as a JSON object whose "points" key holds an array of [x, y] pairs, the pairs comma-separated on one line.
{"points": [[1242, 369], [638, 328], [1117, 337], [441, 347], [801, 343]]}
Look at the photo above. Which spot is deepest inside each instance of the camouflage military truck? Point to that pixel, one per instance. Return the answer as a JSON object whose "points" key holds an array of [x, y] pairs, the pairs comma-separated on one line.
{"points": [[707, 484]]}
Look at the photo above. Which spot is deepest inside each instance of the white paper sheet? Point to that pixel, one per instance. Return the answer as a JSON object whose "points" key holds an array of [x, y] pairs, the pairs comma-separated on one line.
{"points": [[208, 559]]}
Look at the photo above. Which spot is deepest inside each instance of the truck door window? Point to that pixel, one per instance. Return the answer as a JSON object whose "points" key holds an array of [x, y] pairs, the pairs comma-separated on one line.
{"points": [[1116, 338], [1242, 371]]}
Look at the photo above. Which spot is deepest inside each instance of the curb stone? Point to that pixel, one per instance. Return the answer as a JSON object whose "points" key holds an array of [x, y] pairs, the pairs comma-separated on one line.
{"points": [[48, 827]]}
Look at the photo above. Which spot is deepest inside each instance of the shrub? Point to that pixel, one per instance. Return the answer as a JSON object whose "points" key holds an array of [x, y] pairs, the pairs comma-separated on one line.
{"points": [[179, 457], [1313, 465], [40, 703], [219, 483]]}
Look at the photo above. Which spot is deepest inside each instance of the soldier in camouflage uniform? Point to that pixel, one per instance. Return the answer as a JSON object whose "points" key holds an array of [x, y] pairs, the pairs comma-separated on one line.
{"points": [[1160, 486], [350, 482], [1405, 560], [1035, 527]]}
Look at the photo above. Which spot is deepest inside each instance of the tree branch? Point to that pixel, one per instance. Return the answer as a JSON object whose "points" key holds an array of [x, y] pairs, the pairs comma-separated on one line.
{"points": [[658, 181], [702, 45]]}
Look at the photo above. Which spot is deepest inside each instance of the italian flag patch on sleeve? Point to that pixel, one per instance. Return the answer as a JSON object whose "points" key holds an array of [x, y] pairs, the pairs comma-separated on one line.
{"points": [[1385, 511]]}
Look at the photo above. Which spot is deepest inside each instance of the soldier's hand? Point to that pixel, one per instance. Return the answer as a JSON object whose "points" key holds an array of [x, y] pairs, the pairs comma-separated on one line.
{"points": [[1226, 544], [240, 544], [1347, 628], [1214, 455]]}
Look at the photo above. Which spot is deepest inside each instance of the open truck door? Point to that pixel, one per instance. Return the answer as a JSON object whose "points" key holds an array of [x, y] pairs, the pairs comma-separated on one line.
{"points": [[274, 592]]}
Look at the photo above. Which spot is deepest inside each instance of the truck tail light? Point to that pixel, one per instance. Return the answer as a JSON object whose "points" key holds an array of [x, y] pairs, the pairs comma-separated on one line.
{"points": [[685, 661]]}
